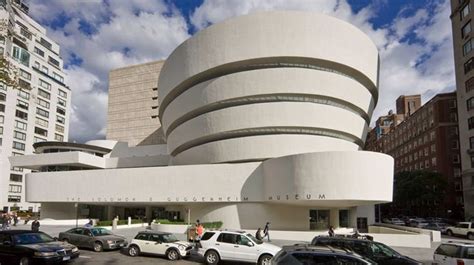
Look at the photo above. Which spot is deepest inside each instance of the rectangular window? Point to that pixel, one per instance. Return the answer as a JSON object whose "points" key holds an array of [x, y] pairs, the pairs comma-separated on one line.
{"points": [[44, 69], [58, 77], [19, 135], [16, 177], [456, 172], [465, 11], [39, 52], [41, 131], [44, 94], [472, 162], [466, 29], [470, 104], [36, 65], [21, 55], [20, 125], [44, 84], [21, 115], [59, 128], [60, 119], [53, 61], [42, 112], [43, 103], [453, 117], [61, 102], [14, 188], [3, 96], [470, 123], [1, 130], [37, 140], [2, 107], [23, 94], [41, 122], [22, 104], [455, 144], [25, 74], [61, 111], [455, 158], [471, 142], [62, 93], [24, 32], [2, 119], [23, 84], [469, 84], [46, 43], [19, 146], [14, 198], [58, 137], [467, 47]]}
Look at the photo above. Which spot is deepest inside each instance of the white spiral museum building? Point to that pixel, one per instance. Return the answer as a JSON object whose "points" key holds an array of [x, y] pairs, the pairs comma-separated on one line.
{"points": [[264, 117]]}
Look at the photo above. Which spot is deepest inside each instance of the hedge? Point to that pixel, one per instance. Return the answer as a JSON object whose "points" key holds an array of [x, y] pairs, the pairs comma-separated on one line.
{"points": [[120, 222], [208, 225]]}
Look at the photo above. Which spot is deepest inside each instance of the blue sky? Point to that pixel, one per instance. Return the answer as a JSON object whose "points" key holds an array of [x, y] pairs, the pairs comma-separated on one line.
{"points": [[413, 37]]}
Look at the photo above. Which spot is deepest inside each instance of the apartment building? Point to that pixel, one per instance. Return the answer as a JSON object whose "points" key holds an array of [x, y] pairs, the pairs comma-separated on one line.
{"points": [[34, 100], [428, 139], [463, 44]]}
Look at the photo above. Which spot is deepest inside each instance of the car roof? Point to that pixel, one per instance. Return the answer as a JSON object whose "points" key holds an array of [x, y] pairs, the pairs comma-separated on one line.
{"points": [[17, 232], [154, 232], [342, 238], [459, 243], [227, 231]]}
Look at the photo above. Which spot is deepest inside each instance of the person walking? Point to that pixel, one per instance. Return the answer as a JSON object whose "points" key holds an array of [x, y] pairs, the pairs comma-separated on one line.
{"points": [[266, 231], [35, 225], [199, 230], [258, 234], [89, 224], [331, 231], [27, 219], [15, 219]]}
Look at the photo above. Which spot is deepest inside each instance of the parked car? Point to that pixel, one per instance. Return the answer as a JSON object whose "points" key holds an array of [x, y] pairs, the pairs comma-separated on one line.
{"points": [[97, 238], [441, 227], [375, 251], [418, 222], [308, 254], [454, 253], [235, 246], [461, 229], [393, 221], [27, 247], [159, 243]]}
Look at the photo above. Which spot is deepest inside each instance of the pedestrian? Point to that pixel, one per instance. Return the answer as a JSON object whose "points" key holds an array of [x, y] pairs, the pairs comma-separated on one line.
{"points": [[89, 224], [266, 231], [35, 225], [27, 219], [15, 219], [258, 234], [5, 225], [199, 230], [331, 231]]}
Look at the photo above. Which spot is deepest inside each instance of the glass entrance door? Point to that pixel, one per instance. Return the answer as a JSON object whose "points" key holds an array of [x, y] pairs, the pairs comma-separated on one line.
{"points": [[318, 219]]}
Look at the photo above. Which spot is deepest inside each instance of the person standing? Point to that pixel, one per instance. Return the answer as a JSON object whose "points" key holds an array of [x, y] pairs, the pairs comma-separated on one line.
{"points": [[15, 219], [331, 231], [35, 225], [266, 231], [258, 234], [199, 230]]}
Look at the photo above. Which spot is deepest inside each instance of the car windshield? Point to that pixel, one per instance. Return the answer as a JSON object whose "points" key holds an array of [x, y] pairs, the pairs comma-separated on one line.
{"points": [[254, 239], [169, 238], [100, 232], [31, 238], [382, 250]]}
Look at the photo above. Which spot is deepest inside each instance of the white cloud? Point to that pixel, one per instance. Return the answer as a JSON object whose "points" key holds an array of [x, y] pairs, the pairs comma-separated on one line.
{"points": [[124, 33]]}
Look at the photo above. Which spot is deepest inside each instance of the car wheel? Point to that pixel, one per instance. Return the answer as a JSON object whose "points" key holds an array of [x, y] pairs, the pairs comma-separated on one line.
{"points": [[98, 247], [133, 251], [449, 232], [172, 254], [212, 258], [470, 236], [24, 261], [264, 259]]}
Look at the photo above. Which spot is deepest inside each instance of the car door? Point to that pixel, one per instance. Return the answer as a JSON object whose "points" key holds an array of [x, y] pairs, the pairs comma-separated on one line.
{"points": [[157, 245], [72, 236], [446, 254], [86, 238], [226, 243], [142, 240], [245, 249], [7, 253]]}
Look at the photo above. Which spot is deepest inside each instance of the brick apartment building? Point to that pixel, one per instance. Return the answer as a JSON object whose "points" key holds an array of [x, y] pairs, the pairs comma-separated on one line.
{"points": [[424, 137]]}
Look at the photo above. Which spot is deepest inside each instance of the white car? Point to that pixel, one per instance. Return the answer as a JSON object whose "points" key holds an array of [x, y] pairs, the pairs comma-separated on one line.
{"points": [[453, 253], [159, 243], [235, 246], [462, 229]]}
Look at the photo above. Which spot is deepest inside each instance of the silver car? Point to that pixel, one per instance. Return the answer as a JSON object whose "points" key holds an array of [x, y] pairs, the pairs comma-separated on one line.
{"points": [[97, 238]]}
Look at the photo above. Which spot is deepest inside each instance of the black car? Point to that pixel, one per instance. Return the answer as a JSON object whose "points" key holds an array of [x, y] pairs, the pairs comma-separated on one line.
{"points": [[375, 251], [308, 254], [27, 247]]}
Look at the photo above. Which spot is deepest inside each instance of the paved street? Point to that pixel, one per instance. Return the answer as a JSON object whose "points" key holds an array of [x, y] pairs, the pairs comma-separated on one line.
{"points": [[120, 257]]}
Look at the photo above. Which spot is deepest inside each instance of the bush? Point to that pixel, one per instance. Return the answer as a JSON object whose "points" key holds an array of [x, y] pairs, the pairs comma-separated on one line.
{"points": [[120, 222], [212, 225], [208, 225]]}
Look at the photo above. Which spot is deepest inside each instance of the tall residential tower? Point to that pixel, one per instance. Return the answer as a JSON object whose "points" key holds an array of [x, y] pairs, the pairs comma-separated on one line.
{"points": [[34, 100]]}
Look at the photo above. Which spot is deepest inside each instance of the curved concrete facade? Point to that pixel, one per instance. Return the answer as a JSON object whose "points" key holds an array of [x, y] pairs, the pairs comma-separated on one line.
{"points": [[293, 73]]}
